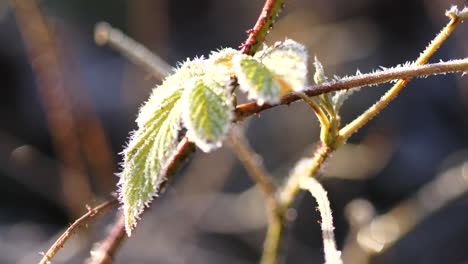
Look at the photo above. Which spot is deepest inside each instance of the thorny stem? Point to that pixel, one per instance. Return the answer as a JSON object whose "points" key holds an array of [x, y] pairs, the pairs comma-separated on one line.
{"points": [[77, 224], [370, 113], [110, 245], [265, 21], [106, 250], [245, 110], [134, 51]]}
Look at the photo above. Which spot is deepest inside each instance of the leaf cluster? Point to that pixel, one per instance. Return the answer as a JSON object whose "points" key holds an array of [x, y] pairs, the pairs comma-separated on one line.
{"points": [[199, 97]]}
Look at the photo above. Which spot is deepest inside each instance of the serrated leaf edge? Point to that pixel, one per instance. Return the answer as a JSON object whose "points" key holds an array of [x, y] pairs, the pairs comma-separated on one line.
{"points": [[191, 131], [245, 85]]}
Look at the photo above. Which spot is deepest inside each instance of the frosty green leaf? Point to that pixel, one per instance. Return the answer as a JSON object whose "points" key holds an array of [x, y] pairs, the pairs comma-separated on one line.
{"points": [[221, 61], [319, 75], [207, 113], [288, 62], [256, 79], [188, 70], [149, 148], [197, 94], [276, 71]]}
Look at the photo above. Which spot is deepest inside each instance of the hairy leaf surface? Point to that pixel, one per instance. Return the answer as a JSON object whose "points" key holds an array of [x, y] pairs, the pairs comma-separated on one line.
{"points": [[256, 79], [288, 62], [207, 113], [276, 71], [149, 148]]}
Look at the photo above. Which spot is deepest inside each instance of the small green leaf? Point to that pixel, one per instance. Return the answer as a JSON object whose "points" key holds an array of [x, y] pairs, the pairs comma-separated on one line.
{"points": [[319, 75], [150, 146], [288, 62], [207, 113], [256, 79], [275, 71]]}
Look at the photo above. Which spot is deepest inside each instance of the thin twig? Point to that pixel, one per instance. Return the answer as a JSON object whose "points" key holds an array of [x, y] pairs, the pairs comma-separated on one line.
{"points": [[309, 168], [332, 255], [41, 47], [106, 250], [110, 245], [77, 224], [370, 113], [321, 116], [252, 162], [273, 238], [134, 51], [245, 110], [254, 166], [264, 23], [275, 230]]}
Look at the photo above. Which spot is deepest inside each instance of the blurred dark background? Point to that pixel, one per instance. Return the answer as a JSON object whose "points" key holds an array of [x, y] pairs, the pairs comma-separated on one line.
{"points": [[211, 213]]}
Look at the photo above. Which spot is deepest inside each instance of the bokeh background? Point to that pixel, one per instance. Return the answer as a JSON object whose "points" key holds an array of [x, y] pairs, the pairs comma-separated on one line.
{"points": [[212, 213]]}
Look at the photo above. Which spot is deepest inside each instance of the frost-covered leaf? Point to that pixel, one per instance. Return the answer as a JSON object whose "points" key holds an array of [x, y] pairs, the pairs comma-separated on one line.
{"points": [[221, 61], [150, 146], [273, 71], [288, 62], [207, 113], [256, 79], [319, 75], [184, 73]]}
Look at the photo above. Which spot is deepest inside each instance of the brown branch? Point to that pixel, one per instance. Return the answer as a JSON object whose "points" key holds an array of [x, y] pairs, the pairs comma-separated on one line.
{"points": [[106, 250], [265, 21], [252, 162], [77, 224], [41, 47], [110, 245], [248, 109]]}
